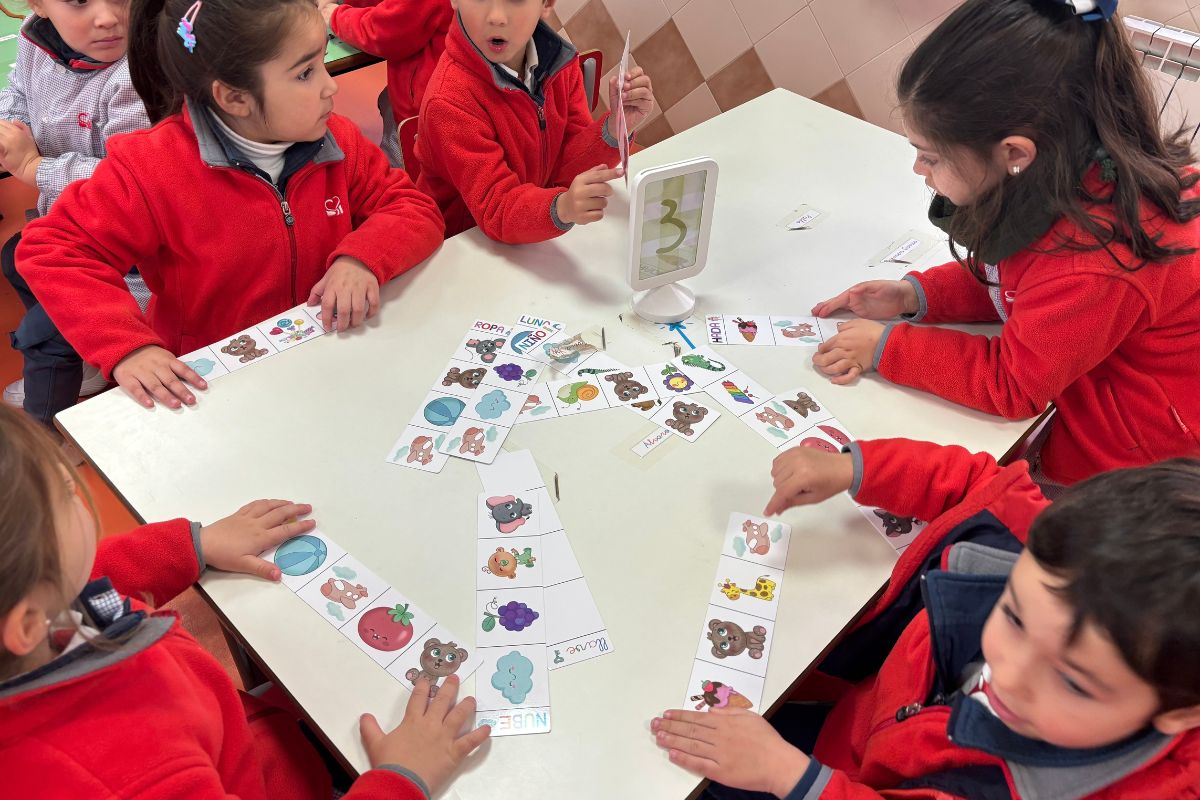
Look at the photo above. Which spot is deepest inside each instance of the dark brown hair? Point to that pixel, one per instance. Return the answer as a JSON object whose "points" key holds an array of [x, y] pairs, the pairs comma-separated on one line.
{"points": [[234, 38], [1127, 543], [997, 68], [31, 492]]}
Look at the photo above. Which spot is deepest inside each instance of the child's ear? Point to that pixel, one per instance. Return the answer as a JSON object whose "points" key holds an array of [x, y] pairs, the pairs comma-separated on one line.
{"points": [[547, 7], [23, 628], [234, 102], [1016, 151], [36, 7], [1175, 722]]}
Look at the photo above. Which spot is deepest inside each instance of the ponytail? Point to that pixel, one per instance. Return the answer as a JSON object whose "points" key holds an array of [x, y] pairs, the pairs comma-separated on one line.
{"points": [[997, 68], [233, 39]]}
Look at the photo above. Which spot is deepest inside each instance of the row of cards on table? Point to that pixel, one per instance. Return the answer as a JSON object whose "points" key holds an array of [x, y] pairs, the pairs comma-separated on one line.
{"points": [[273, 335]]}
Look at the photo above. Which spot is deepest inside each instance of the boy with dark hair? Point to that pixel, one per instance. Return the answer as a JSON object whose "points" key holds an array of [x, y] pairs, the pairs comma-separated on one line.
{"points": [[1068, 669]]}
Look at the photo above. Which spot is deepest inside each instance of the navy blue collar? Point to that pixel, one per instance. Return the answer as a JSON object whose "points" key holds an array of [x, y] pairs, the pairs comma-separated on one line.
{"points": [[295, 157], [43, 34]]}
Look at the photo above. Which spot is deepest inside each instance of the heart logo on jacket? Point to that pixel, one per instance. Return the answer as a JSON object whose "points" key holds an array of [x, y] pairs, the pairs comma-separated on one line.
{"points": [[333, 207]]}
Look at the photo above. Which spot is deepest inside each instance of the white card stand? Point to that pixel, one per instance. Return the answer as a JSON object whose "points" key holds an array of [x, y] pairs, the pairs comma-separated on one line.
{"points": [[673, 302]]}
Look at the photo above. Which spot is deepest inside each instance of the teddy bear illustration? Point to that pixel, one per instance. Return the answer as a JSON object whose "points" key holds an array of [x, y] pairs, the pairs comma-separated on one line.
{"points": [[438, 660], [468, 379], [485, 348], [893, 525], [802, 404], [625, 387], [509, 512], [503, 563], [421, 450], [757, 538], [473, 442], [729, 639], [685, 415], [244, 348], [340, 591], [773, 418], [799, 331]]}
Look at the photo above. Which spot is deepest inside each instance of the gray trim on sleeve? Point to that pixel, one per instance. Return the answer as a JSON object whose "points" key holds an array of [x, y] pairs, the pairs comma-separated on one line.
{"points": [[812, 783], [922, 301], [608, 138], [887, 331], [558, 223], [856, 458], [196, 526], [408, 773]]}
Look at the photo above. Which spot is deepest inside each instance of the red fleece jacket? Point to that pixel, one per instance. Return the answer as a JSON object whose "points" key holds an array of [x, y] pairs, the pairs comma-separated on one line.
{"points": [[871, 752], [494, 156], [409, 34], [164, 722], [217, 247], [1116, 351]]}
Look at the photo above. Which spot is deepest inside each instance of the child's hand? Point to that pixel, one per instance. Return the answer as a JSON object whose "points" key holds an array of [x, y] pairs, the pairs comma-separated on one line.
{"points": [[327, 7], [427, 741], [638, 99], [873, 300], [587, 197], [735, 747], [19, 154], [851, 352], [805, 476], [233, 544], [151, 373], [349, 293]]}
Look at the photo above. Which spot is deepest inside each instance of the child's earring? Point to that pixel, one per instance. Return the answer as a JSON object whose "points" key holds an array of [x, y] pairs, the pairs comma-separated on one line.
{"points": [[1016, 170]]}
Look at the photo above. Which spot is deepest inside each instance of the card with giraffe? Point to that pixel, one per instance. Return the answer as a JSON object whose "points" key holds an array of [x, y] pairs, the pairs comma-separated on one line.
{"points": [[746, 586], [760, 541]]}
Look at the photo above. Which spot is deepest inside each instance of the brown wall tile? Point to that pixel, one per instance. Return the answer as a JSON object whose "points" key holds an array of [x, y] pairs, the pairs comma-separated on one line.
{"points": [[840, 97], [654, 131], [669, 63], [743, 79], [593, 29]]}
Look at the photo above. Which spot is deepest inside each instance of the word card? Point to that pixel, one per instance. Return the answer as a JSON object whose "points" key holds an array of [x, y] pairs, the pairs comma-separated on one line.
{"points": [[273, 335], [907, 249], [795, 330], [378, 618], [739, 626], [574, 628], [622, 122]]}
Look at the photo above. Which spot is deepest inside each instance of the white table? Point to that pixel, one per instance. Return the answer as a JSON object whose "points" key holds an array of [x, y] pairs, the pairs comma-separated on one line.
{"points": [[315, 423]]}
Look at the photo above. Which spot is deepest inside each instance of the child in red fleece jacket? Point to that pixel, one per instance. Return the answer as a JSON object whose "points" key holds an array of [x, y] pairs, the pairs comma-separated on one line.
{"points": [[1067, 670], [247, 199], [410, 35], [505, 138], [1078, 220], [101, 696]]}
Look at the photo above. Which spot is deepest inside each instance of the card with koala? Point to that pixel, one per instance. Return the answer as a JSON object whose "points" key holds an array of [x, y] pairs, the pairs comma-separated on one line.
{"points": [[688, 417], [760, 541], [417, 449], [717, 686], [438, 656], [243, 349], [512, 694], [736, 640], [463, 379], [340, 592]]}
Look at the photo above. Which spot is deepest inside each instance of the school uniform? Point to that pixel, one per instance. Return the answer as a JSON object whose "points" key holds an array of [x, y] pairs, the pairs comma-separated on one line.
{"points": [[497, 151], [72, 105], [910, 723], [150, 713], [221, 245], [1114, 349]]}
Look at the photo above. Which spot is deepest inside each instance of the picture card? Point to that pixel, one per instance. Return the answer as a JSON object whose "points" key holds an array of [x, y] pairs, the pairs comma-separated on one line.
{"points": [[341, 591], [688, 417], [516, 373], [509, 564], [513, 513], [462, 379], [538, 405], [438, 655], [776, 422], [907, 249], [302, 557], [804, 406], [625, 387], [205, 363], [439, 411], [512, 694], [758, 540], [737, 640], [483, 342], [596, 367], [748, 587], [754, 329], [739, 393], [796, 331], [495, 406], [565, 353], [510, 616], [704, 367], [670, 379], [417, 449], [899, 531], [387, 626], [815, 438], [474, 441], [243, 349], [804, 218], [651, 441], [716, 686], [292, 327], [577, 396]]}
